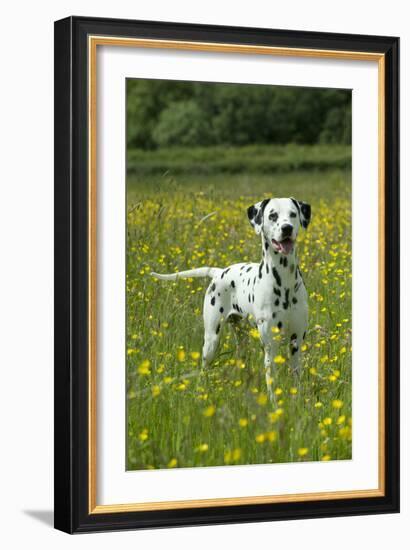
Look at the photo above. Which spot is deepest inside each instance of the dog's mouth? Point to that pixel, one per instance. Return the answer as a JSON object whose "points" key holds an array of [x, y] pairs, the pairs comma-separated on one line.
{"points": [[284, 247]]}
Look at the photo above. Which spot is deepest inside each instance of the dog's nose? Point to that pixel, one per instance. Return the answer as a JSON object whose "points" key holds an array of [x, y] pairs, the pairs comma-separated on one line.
{"points": [[287, 229]]}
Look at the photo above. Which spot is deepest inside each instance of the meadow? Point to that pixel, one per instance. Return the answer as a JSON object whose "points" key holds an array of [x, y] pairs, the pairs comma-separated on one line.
{"points": [[181, 416]]}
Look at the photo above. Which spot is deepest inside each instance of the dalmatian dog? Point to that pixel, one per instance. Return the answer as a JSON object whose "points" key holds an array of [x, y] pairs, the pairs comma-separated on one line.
{"points": [[271, 294]]}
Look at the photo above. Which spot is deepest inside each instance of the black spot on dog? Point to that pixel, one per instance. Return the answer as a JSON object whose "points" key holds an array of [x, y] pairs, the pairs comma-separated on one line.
{"points": [[294, 300], [259, 215], [281, 261], [277, 302], [233, 284], [221, 310], [249, 298], [242, 267], [294, 350], [297, 286], [218, 329], [306, 213], [280, 325], [286, 302], [277, 292], [225, 272], [293, 337], [267, 268], [285, 262], [213, 301], [273, 315], [219, 293], [249, 268], [292, 268], [253, 298], [249, 282], [277, 277], [266, 245], [260, 270], [252, 212], [213, 287], [295, 202], [304, 335]]}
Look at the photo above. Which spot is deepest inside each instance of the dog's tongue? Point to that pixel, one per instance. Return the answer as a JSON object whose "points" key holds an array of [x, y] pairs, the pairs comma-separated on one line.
{"points": [[286, 246]]}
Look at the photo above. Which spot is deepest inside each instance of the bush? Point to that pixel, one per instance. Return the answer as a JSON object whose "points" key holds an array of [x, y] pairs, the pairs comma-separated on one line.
{"points": [[182, 123], [165, 113]]}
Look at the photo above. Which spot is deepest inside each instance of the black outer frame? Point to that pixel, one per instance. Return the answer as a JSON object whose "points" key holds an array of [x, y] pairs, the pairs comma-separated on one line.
{"points": [[71, 275]]}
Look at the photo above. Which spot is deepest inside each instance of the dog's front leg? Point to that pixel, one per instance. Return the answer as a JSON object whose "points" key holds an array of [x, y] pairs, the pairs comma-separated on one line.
{"points": [[270, 348], [295, 345]]}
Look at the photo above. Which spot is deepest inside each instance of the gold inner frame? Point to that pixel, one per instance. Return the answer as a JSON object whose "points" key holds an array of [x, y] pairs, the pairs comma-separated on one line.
{"points": [[93, 42]]}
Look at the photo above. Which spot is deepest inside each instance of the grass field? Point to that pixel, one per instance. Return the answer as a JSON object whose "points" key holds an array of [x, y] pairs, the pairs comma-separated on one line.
{"points": [[256, 159], [180, 417]]}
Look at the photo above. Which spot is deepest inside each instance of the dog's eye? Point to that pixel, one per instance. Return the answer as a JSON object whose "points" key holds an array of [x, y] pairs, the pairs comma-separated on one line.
{"points": [[293, 214], [273, 217]]}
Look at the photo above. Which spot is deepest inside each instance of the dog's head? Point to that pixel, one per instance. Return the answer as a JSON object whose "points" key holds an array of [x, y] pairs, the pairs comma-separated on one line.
{"points": [[279, 221]]}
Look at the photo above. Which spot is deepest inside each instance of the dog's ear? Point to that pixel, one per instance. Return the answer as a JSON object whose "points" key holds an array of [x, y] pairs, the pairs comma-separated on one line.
{"points": [[304, 212], [255, 215]]}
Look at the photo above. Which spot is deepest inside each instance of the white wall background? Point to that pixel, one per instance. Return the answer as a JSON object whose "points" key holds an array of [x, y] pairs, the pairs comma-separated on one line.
{"points": [[26, 293]]}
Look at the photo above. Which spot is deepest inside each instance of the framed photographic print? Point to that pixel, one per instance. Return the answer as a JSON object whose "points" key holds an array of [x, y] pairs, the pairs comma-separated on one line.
{"points": [[226, 274]]}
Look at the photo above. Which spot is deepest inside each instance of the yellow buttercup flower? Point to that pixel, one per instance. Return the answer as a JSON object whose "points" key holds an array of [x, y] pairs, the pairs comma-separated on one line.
{"points": [[303, 451], [262, 399], [279, 360], [144, 368], [254, 332], [143, 435], [236, 454], [337, 403], [271, 436], [345, 433], [181, 355], [172, 463], [209, 411], [243, 422]]}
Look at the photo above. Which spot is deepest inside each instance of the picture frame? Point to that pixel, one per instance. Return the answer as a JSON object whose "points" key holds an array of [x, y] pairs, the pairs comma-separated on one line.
{"points": [[77, 40]]}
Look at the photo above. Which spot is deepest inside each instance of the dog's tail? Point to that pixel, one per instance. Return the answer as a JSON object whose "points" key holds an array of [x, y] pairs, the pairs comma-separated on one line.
{"points": [[200, 272]]}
